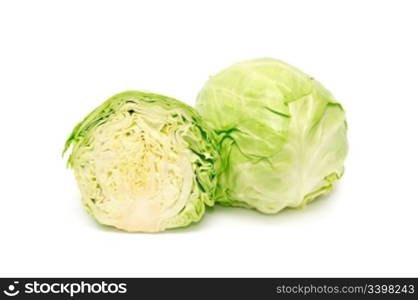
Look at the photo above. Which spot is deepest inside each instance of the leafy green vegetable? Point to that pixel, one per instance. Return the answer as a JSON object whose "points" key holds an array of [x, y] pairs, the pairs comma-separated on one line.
{"points": [[281, 135], [143, 162]]}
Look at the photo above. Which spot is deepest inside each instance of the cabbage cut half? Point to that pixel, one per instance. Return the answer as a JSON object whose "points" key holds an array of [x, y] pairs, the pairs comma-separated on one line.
{"points": [[281, 135], [143, 163]]}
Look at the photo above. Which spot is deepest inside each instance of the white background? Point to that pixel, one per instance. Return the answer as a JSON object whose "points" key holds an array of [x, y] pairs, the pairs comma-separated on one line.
{"points": [[60, 59]]}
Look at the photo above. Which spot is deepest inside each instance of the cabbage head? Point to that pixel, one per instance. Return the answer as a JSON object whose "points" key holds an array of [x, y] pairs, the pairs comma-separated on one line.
{"points": [[143, 163], [281, 135]]}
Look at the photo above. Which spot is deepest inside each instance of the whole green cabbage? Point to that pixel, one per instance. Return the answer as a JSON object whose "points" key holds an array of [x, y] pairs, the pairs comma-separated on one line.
{"points": [[143, 162], [281, 135]]}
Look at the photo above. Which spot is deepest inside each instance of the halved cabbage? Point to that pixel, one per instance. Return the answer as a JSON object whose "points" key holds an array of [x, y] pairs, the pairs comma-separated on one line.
{"points": [[281, 135], [143, 162]]}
